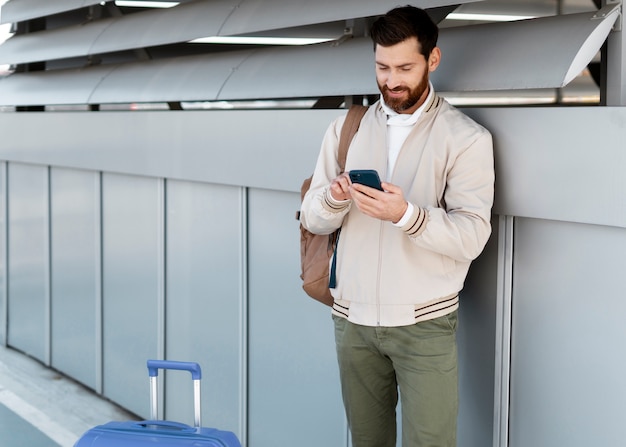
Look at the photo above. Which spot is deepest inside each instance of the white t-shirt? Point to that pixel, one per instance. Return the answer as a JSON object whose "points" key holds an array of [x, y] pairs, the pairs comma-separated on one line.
{"points": [[399, 125]]}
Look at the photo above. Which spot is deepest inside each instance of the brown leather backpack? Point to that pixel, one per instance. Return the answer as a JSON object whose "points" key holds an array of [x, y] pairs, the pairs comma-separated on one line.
{"points": [[316, 250]]}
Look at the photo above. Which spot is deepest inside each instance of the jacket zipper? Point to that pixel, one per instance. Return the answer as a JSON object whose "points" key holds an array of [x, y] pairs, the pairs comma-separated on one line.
{"points": [[380, 244], [378, 272]]}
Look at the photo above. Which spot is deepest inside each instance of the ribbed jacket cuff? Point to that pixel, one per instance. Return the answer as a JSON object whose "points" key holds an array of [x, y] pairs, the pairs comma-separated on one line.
{"points": [[416, 223], [332, 205]]}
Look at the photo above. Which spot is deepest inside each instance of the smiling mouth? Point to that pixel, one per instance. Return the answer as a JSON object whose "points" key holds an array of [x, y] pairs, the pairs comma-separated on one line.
{"points": [[396, 93]]}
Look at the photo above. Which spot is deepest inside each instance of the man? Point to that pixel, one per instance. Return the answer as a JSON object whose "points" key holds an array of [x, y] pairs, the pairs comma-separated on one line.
{"points": [[404, 252]]}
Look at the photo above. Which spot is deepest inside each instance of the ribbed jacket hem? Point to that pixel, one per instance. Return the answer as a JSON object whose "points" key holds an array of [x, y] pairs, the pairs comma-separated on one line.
{"points": [[369, 314]]}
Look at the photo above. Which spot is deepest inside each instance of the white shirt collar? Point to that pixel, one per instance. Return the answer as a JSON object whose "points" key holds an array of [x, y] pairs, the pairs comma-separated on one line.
{"points": [[402, 119]]}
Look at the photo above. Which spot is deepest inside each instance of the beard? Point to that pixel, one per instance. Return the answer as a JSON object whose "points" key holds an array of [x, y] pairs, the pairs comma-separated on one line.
{"points": [[399, 105]]}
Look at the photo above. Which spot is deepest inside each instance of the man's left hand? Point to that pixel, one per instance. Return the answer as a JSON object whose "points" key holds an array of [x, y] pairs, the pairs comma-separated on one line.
{"points": [[385, 205]]}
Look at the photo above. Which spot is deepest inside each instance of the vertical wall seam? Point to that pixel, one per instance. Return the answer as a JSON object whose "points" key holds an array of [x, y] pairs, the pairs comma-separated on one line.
{"points": [[504, 298], [163, 267], [99, 302], [48, 268], [161, 303], [244, 293], [4, 234]]}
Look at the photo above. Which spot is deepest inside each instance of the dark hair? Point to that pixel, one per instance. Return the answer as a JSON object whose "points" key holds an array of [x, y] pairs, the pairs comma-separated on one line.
{"points": [[403, 23]]}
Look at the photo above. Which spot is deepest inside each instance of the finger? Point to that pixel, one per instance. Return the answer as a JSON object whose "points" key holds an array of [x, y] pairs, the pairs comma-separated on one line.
{"points": [[366, 190]]}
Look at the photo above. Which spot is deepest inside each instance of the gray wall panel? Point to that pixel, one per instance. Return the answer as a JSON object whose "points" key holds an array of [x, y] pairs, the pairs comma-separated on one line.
{"points": [[559, 163], [4, 308], [204, 300], [75, 278], [568, 352], [293, 380], [538, 152], [132, 249], [475, 338], [247, 148], [28, 290]]}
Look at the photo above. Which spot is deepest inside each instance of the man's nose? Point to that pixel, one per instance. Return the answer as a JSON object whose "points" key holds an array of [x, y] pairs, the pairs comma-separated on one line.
{"points": [[393, 80]]}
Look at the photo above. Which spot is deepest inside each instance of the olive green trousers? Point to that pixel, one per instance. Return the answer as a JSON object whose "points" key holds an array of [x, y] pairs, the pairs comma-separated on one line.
{"points": [[417, 364]]}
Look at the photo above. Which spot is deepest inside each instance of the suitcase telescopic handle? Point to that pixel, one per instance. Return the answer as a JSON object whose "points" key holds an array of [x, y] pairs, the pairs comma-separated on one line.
{"points": [[192, 367], [196, 375]]}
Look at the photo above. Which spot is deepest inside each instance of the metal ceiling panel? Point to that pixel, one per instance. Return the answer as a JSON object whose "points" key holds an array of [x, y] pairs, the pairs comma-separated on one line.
{"points": [[317, 70], [40, 46], [139, 30], [185, 22], [190, 78], [540, 53], [20, 10], [252, 15], [177, 79], [530, 8], [528, 54], [57, 87]]}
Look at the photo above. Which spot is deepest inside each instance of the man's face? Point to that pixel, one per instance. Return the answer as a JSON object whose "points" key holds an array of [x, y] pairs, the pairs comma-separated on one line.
{"points": [[402, 74]]}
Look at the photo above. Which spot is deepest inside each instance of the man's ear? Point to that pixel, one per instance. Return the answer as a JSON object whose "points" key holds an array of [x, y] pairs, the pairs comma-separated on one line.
{"points": [[434, 59]]}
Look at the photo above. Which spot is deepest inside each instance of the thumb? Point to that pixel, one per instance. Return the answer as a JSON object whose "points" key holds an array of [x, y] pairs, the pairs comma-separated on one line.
{"points": [[390, 187]]}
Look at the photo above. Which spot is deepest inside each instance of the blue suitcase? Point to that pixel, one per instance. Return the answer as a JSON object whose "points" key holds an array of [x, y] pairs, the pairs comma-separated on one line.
{"points": [[155, 432]]}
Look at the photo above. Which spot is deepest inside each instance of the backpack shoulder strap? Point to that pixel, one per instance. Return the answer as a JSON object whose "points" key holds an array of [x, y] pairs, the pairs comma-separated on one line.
{"points": [[350, 126]]}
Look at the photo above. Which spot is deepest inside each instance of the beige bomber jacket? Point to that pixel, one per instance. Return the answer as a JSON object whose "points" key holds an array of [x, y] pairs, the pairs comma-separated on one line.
{"points": [[391, 276]]}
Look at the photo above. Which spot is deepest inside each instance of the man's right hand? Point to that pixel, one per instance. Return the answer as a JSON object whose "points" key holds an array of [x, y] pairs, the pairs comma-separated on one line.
{"points": [[340, 188]]}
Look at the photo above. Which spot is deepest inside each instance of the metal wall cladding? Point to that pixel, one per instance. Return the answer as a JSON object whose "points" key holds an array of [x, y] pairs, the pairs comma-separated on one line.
{"points": [[76, 274], [475, 334], [200, 262], [28, 260], [205, 299], [568, 354], [132, 280], [292, 363], [4, 305]]}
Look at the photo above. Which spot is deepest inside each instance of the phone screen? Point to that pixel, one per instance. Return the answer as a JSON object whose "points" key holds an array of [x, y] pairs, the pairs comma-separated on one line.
{"points": [[368, 177]]}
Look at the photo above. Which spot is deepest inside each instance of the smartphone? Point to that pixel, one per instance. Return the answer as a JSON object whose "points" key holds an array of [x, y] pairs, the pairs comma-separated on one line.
{"points": [[368, 177]]}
